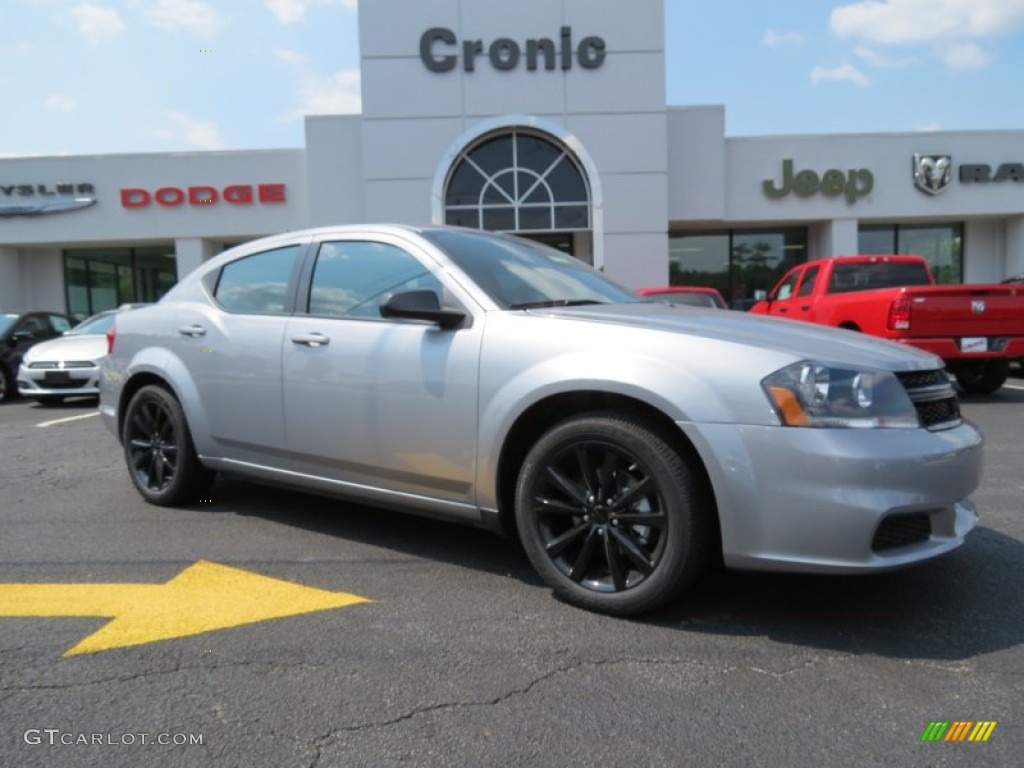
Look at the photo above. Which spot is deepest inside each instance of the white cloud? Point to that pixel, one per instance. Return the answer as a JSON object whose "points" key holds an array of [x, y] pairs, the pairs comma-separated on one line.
{"points": [[844, 73], [97, 23], [336, 94], [196, 133], [287, 11], [288, 56], [920, 21], [876, 59], [59, 103], [775, 39], [930, 128], [293, 11], [960, 56], [190, 15]]}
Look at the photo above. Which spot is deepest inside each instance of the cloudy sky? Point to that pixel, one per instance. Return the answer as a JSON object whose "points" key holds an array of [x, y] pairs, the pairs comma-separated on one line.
{"points": [[171, 75]]}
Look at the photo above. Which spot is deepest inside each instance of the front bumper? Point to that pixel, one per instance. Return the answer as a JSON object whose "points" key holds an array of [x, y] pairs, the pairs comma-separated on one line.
{"points": [[839, 500], [50, 382]]}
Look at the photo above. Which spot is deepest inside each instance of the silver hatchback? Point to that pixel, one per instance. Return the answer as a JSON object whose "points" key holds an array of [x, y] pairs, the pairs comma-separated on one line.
{"points": [[495, 381]]}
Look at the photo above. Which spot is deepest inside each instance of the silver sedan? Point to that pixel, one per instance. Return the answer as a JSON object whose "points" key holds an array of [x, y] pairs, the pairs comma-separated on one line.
{"points": [[492, 380]]}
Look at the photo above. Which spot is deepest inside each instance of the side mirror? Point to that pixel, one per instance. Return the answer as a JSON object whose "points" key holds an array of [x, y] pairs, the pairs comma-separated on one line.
{"points": [[421, 305]]}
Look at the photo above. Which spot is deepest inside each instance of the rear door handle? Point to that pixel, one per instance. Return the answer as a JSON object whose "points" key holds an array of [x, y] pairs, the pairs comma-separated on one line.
{"points": [[311, 339], [192, 330]]}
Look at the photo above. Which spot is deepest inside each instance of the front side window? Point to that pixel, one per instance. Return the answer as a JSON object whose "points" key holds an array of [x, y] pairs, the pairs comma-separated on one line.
{"points": [[353, 278], [257, 284], [786, 288]]}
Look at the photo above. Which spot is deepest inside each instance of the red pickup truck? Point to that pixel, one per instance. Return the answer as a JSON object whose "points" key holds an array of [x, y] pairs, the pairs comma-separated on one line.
{"points": [[976, 329]]}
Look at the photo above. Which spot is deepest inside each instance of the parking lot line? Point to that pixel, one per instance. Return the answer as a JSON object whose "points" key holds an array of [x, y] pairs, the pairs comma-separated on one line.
{"points": [[69, 418]]}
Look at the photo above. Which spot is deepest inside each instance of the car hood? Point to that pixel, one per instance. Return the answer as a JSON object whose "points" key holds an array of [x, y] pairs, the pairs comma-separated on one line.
{"points": [[797, 338], [90, 347]]}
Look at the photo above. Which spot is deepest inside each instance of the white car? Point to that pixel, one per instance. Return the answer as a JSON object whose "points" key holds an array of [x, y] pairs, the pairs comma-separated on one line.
{"points": [[68, 365]]}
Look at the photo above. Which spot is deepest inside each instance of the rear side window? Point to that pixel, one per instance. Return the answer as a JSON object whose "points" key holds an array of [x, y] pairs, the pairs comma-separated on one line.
{"points": [[847, 278], [257, 284], [60, 323]]}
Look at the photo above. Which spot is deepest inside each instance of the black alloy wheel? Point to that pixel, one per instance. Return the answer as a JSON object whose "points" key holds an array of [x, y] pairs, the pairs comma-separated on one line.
{"points": [[611, 515], [158, 449], [5, 383]]}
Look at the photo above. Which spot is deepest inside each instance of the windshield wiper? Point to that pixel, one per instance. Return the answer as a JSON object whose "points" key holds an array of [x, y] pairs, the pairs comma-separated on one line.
{"points": [[555, 303]]}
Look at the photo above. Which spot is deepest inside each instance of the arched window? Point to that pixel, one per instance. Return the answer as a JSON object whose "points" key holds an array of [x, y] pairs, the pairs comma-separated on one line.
{"points": [[517, 181]]}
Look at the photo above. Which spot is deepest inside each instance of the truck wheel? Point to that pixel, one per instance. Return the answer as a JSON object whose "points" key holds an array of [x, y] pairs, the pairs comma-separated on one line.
{"points": [[610, 514], [982, 377]]}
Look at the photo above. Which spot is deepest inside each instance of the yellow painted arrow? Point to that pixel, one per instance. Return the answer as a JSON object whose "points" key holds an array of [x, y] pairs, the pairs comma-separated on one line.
{"points": [[202, 598]]}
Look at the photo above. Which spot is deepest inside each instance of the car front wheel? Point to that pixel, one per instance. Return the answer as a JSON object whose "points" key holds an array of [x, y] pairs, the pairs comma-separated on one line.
{"points": [[158, 449], [611, 515], [5, 384]]}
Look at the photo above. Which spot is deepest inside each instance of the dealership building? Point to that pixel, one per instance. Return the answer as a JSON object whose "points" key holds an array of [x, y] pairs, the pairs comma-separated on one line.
{"points": [[549, 122]]}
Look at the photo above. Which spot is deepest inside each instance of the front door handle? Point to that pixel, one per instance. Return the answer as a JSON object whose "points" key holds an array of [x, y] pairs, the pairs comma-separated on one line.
{"points": [[311, 339], [192, 330]]}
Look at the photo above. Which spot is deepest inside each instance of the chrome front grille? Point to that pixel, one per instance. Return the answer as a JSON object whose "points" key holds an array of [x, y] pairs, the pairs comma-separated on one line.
{"points": [[933, 396], [54, 365]]}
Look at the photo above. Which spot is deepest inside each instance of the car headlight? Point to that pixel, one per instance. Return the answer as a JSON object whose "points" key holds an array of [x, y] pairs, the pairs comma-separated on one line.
{"points": [[809, 394]]}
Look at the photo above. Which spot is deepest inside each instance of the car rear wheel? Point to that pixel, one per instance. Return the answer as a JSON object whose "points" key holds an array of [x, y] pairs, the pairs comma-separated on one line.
{"points": [[611, 515], [983, 377], [158, 449]]}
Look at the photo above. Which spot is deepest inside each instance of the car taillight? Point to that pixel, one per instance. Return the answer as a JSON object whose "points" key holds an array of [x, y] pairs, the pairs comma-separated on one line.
{"points": [[899, 314], [111, 335]]}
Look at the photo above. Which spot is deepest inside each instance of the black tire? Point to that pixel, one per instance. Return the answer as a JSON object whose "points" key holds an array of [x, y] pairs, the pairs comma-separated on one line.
{"points": [[983, 377], [158, 450], [5, 384], [610, 515]]}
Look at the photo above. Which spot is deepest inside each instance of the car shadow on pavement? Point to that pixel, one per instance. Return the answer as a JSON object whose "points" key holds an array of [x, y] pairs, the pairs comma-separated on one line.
{"points": [[963, 605], [400, 532], [960, 606]]}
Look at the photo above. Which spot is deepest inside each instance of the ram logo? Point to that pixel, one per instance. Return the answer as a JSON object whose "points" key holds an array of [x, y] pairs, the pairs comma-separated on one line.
{"points": [[978, 307], [933, 173]]}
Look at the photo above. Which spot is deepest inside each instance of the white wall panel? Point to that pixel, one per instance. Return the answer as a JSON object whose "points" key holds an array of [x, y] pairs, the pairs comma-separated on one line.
{"points": [[637, 259], [635, 202], [404, 149], [623, 143]]}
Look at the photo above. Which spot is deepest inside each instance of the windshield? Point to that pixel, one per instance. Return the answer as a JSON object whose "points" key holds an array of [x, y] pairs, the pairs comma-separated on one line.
{"points": [[6, 321], [96, 325], [520, 274], [689, 299]]}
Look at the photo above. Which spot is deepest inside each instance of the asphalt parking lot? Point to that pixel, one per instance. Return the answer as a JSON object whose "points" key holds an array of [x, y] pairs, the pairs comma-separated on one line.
{"points": [[458, 655]]}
